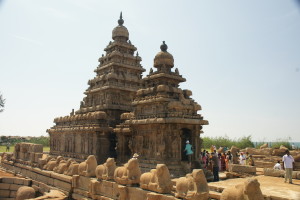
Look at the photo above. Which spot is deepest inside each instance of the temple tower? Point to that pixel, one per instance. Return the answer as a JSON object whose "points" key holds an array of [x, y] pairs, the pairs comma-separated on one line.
{"points": [[90, 129], [164, 118], [118, 78]]}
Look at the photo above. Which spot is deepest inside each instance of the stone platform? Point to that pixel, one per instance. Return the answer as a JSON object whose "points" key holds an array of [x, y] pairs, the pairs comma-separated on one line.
{"points": [[273, 188]]}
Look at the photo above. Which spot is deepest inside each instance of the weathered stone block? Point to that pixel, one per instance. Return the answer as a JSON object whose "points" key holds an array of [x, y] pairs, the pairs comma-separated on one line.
{"points": [[273, 172], [61, 177], [13, 194], [37, 156], [15, 187], [242, 169], [4, 186], [155, 196], [19, 181], [36, 148], [4, 193], [83, 182], [136, 193], [31, 156], [50, 181], [103, 187], [63, 185], [8, 180], [41, 178], [7, 198]]}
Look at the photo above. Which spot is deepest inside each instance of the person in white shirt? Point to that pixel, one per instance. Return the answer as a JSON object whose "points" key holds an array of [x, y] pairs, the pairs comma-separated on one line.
{"points": [[288, 161], [242, 159], [277, 165]]}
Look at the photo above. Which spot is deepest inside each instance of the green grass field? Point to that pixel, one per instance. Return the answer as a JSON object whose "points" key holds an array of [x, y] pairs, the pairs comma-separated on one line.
{"points": [[11, 149]]}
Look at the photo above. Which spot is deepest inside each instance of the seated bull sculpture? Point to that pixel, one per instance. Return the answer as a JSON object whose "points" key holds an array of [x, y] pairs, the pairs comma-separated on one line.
{"points": [[129, 174], [193, 186], [63, 166], [157, 180], [106, 171], [73, 169], [88, 167], [51, 164]]}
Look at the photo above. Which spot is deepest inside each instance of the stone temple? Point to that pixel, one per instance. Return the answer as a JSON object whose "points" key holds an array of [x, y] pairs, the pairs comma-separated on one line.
{"points": [[124, 113]]}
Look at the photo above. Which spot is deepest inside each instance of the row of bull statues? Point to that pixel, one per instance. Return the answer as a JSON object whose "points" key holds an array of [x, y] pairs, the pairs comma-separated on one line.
{"points": [[193, 186]]}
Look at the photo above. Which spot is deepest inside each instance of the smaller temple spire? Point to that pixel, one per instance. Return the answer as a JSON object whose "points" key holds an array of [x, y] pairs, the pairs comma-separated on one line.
{"points": [[121, 21], [164, 47]]}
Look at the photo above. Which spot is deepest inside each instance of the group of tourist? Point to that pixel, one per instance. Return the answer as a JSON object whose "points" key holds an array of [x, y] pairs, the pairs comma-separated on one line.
{"points": [[216, 162], [246, 159]]}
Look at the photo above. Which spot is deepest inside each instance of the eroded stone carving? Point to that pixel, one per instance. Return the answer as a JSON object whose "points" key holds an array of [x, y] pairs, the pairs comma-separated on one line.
{"points": [[73, 169], [63, 166], [193, 186], [130, 173], [249, 190], [106, 171], [88, 167], [51, 164], [157, 180]]}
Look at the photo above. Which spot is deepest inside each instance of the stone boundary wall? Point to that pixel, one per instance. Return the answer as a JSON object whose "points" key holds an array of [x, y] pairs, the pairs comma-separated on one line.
{"points": [[10, 185], [80, 187], [42, 180]]}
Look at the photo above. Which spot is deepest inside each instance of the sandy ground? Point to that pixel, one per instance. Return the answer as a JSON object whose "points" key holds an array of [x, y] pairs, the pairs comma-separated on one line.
{"points": [[270, 186]]}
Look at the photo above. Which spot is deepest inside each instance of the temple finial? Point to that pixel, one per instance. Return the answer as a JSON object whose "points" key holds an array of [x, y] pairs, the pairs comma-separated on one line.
{"points": [[164, 47], [121, 21]]}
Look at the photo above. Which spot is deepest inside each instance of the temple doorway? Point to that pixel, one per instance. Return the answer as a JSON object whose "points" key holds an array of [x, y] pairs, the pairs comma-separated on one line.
{"points": [[185, 135], [112, 145]]}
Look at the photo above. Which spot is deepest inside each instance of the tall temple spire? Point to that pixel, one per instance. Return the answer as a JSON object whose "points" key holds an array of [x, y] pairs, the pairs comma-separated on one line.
{"points": [[121, 21]]}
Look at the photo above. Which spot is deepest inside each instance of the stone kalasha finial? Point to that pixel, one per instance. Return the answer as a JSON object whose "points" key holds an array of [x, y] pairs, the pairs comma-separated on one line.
{"points": [[164, 47], [121, 21]]}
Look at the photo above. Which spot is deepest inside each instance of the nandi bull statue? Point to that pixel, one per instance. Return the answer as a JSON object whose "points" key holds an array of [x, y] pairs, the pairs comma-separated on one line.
{"points": [[129, 174], [193, 186], [157, 180]]}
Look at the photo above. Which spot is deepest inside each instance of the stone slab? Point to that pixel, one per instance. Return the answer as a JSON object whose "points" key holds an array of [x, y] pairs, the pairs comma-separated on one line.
{"points": [[136, 193], [4, 193], [242, 169], [62, 185], [9, 180], [61, 177], [15, 187], [4, 186], [83, 183], [273, 172], [13, 194]]}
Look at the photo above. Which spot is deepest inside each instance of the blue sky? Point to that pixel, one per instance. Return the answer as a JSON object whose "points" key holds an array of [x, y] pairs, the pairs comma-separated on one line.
{"points": [[241, 59]]}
